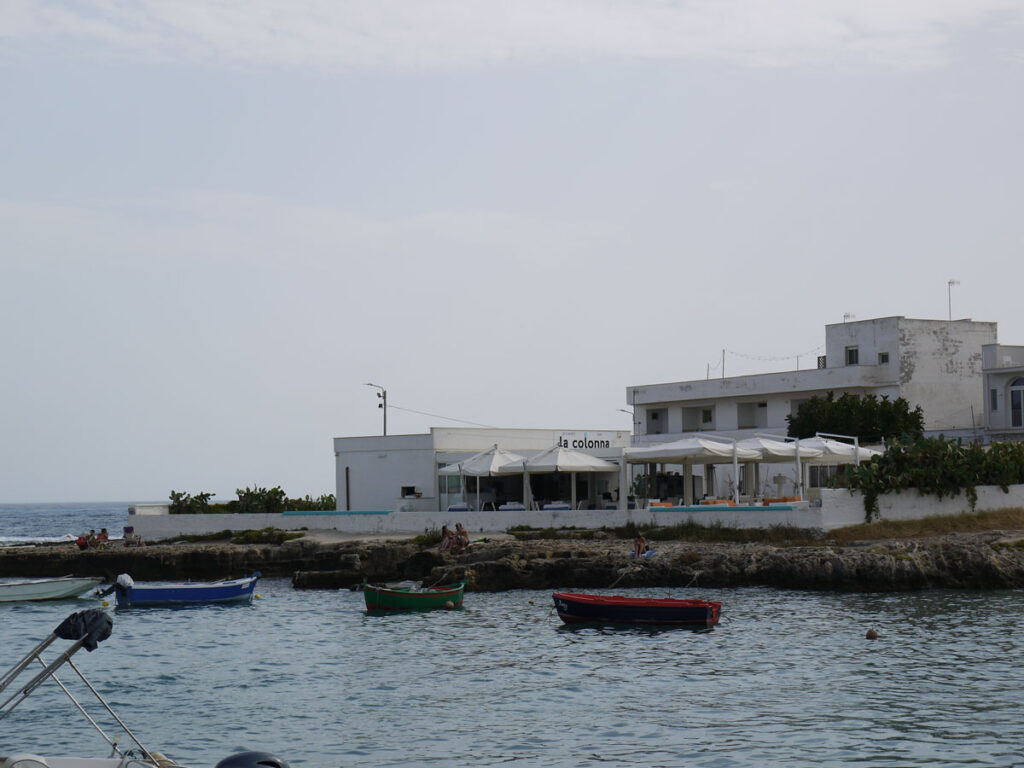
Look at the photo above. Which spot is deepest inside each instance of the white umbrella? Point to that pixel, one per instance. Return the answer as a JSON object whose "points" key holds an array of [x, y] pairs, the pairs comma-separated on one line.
{"points": [[836, 451], [483, 464], [773, 450], [558, 459], [693, 450]]}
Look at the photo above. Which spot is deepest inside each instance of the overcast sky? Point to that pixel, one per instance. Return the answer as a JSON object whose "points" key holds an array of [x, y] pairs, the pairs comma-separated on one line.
{"points": [[219, 220]]}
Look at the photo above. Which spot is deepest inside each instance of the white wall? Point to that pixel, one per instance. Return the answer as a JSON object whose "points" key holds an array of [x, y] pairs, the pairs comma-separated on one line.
{"points": [[941, 370], [839, 508], [380, 466], [844, 508]]}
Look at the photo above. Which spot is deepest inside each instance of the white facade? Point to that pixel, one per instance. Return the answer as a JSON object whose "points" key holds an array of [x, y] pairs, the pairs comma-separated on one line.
{"points": [[1004, 391], [400, 472], [936, 364]]}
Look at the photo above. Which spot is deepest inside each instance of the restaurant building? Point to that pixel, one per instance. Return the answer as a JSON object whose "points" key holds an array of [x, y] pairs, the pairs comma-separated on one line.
{"points": [[402, 472]]}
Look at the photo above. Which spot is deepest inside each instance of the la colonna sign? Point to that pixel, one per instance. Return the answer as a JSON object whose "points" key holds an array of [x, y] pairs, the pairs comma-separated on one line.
{"points": [[593, 441]]}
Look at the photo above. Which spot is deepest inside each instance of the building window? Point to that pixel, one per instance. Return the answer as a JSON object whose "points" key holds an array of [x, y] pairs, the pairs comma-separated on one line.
{"points": [[993, 399], [1017, 402], [883, 358], [852, 356], [822, 362], [707, 416]]}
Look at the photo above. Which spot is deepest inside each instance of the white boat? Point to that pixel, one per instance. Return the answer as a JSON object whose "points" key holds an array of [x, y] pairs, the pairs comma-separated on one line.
{"points": [[46, 589], [88, 629]]}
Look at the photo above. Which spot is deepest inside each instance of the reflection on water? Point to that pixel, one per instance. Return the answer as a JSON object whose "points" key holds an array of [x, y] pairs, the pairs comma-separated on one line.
{"points": [[787, 678]]}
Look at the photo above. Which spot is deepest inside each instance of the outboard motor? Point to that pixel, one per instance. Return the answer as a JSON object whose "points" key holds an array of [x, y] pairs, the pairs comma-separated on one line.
{"points": [[252, 760]]}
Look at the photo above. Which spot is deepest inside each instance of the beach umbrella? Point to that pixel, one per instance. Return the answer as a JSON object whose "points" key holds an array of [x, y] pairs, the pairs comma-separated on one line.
{"points": [[483, 464]]}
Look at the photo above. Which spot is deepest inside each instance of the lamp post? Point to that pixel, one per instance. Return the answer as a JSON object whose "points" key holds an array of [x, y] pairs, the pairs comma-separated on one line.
{"points": [[383, 395], [949, 296]]}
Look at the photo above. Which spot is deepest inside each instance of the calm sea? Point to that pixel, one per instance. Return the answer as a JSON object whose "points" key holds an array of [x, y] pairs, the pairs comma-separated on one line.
{"points": [[787, 679], [27, 523]]}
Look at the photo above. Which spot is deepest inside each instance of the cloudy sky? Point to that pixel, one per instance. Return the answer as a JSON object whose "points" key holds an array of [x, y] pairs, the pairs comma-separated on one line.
{"points": [[219, 220]]}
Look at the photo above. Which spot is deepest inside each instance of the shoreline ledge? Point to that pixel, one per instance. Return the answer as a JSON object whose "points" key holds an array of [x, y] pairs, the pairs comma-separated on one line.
{"points": [[983, 560]]}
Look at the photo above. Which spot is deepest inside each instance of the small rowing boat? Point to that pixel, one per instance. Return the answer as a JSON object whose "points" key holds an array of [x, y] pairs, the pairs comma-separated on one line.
{"points": [[380, 598], [46, 589], [575, 608], [132, 595]]}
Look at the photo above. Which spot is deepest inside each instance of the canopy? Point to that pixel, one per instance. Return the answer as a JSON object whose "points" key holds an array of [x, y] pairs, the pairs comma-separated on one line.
{"points": [[558, 459], [484, 464], [836, 451], [781, 450], [691, 450]]}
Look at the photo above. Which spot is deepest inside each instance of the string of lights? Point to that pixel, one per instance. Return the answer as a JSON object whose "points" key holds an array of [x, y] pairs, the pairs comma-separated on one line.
{"points": [[771, 358], [438, 416]]}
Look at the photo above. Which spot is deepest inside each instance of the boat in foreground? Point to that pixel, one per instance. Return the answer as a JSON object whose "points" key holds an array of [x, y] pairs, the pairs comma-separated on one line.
{"points": [[87, 629], [380, 598], [46, 589], [132, 595], [576, 608]]}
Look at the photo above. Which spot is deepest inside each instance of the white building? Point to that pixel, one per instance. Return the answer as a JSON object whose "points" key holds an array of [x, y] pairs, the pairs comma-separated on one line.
{"points": [[400, 472], [936, 364], [1003, 373]]}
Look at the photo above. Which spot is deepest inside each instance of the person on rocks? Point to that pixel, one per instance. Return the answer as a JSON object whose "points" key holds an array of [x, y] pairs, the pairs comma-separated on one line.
{"points": [[90, 539], [102, 538], [640, 547], [461, 536], [448, 538]]}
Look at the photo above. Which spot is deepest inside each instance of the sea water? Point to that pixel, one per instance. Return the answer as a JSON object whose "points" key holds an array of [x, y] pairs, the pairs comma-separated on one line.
{"points": [[35, 523], [786, 679]]}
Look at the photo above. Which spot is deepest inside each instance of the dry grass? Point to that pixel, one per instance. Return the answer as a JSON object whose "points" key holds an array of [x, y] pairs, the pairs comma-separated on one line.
{"points": [[1000, 519], [939, 525]]}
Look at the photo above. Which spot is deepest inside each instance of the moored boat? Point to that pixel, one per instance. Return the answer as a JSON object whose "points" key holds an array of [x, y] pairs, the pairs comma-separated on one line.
{"points": [[380, 598], [46, 589], [575, 608], [132, 595]]}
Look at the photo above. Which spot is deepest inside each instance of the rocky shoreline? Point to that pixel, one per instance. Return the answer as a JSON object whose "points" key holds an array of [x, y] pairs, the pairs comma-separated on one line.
{"points": [[988, 560]]}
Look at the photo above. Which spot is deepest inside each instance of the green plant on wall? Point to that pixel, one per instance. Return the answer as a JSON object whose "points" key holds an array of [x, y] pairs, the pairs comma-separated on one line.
{"points": [[187, 504], [938, 467]]}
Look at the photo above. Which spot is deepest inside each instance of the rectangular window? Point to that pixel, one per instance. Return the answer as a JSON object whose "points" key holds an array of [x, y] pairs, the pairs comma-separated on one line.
{"points": [[852, 356], [993, 399], [706, 416], [883, 358]]}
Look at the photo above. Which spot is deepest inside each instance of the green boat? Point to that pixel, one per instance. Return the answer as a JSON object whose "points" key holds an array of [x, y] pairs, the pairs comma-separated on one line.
{"points": [[379, 599]]}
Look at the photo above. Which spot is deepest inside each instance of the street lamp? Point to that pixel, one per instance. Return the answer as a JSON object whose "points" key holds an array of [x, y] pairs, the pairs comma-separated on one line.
{"points": [[383, 395], [949, 296]]}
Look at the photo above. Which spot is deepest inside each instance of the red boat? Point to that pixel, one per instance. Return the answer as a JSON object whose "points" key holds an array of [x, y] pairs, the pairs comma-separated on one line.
{"points": [[575, 608]]}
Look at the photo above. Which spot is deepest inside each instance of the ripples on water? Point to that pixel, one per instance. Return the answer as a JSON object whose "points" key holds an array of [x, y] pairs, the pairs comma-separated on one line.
{"points": [[786, 679]]}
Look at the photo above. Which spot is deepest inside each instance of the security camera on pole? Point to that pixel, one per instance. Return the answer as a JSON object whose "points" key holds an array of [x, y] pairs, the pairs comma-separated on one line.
{"points": [[383, 395]]}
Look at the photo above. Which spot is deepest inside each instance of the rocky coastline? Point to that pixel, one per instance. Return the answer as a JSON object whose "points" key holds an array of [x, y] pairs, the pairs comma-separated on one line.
{"points": [[988, 560]]}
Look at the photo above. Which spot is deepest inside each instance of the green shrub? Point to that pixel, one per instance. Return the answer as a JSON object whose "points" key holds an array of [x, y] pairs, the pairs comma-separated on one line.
{"points": [[186, 504], [938, 467]]}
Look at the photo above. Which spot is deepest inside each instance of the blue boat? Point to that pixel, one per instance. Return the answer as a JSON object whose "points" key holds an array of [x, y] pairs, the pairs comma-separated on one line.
{"points": [[132, 595]]}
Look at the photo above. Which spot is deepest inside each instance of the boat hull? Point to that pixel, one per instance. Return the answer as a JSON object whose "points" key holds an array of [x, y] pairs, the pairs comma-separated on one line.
{"points": [[381, 599], [46, 589], [576, 608], [147, 596]]}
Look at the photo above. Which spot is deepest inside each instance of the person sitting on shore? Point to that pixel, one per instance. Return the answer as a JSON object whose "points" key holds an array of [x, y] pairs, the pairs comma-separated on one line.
{"points": [[448, 538], [640, 547], [82, 542], [90, 539], [102, 538], [461, 536]]}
